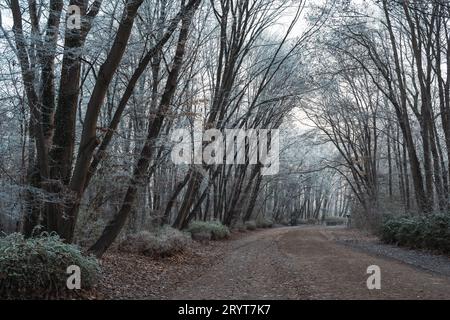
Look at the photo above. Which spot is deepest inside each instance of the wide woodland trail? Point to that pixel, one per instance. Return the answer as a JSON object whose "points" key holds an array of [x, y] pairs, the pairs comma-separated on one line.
{"points": [[307, 263]]}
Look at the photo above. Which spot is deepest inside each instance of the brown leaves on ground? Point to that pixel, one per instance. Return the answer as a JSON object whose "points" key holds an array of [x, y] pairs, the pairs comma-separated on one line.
{"points": [[131, 276]]}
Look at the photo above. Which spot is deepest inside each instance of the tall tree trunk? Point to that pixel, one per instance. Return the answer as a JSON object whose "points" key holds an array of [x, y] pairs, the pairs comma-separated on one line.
{"points": [[116, 224]]}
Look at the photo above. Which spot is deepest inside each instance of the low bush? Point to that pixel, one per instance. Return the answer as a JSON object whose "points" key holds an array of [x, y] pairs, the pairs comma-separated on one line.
{"points": [[430, 232], [284, 222], [240, 227], [203, 237], [264, 223], [301, 222], [36, 268], [335, 221], [217, 230], [389, 229], [163, 243], [251, 225]]}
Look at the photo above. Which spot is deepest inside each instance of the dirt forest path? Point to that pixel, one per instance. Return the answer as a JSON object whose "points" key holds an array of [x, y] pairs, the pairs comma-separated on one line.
{"points": [[306, 263]]}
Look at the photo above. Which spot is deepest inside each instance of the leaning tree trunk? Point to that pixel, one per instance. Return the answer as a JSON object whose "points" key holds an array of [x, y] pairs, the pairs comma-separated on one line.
{"points": [[114, 227]]}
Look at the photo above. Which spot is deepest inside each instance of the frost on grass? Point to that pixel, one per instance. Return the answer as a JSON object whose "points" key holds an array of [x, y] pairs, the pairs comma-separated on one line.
{"points": [[36, 268], [217, 230], [165, 242]]}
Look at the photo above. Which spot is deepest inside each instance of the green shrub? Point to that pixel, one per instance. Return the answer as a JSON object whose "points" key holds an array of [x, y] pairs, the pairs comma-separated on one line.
{"points": [[389, 230], [408, 233], [264, 223], [425, 232], [335, 221], [436, 232], [202, 237], [37, 267], [217, 230], [163, 243], [251, 225], [240, 227]]}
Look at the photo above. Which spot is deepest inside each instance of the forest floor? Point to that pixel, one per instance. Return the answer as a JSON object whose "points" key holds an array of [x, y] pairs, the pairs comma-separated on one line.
{"points": [[308, 262]]}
